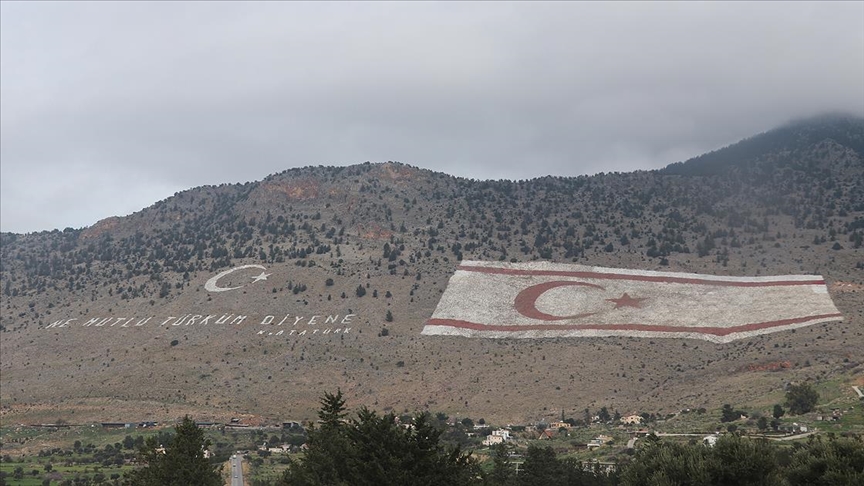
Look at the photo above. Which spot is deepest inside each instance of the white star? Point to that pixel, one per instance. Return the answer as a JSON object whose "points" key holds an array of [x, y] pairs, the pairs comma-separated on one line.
{"points": [[263, 276]]}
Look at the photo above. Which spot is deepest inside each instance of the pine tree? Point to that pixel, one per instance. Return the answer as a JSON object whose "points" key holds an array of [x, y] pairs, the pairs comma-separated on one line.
{"points": [[181, 464], [503, 473], [373, 449]]}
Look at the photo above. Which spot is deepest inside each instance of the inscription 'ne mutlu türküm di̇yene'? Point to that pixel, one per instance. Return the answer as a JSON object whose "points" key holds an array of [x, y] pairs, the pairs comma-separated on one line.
{"points": [[276, 325]]}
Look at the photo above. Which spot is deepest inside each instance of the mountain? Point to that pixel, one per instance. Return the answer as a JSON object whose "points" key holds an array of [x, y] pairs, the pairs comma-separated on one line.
{"points": [[110, 323], [784, 147]]}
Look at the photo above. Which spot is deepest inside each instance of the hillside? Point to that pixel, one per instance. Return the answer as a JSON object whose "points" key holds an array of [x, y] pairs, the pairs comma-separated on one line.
{"points": [[110, 322]]}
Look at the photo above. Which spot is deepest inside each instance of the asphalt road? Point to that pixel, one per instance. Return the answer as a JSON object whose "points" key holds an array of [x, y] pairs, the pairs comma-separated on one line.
{"points": [[236, 470]]}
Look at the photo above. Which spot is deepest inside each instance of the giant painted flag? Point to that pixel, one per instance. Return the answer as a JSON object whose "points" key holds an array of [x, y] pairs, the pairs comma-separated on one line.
{"points": [[544, 300]]}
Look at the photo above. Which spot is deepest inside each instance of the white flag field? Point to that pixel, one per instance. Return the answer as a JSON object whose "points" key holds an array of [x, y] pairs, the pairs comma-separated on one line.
{"points": [[546, 300]]}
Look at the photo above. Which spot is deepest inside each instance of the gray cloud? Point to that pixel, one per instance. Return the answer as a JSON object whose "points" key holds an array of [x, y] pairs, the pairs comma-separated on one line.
{"points": [[106, 108]]}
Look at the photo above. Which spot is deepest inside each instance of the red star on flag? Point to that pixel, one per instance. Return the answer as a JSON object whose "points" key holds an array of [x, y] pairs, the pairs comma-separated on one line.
{"points": [[627, 301]]}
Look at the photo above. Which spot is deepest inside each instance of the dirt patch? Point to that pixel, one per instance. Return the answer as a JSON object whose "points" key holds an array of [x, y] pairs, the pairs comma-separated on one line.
{"points": [[296, 190], [397, 172], [773, 366], [846, 287], [374, 232], [100, 227]]}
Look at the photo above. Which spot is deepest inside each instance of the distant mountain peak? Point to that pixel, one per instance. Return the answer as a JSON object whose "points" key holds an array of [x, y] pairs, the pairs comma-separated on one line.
{"points": [[797, 136]]}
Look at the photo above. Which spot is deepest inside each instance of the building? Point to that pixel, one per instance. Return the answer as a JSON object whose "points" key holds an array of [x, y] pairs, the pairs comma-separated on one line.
{"points": [[598, 441], [497, 437], [119, 425], [491, 440], [632, 420]]}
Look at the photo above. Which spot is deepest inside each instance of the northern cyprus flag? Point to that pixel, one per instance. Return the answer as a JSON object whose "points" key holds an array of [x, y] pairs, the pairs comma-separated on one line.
{"points": [[543, 300]]}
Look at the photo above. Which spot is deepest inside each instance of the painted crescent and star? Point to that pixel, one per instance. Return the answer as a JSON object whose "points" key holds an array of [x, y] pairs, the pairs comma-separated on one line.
{"points": [[526, 301], [212, 285]]}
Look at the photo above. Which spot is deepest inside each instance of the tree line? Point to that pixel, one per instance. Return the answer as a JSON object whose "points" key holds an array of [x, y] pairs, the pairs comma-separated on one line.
{"points": [[381, 450]]}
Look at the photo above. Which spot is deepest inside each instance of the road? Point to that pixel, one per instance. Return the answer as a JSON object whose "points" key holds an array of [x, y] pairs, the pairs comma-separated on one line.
{"points": [[793, 437], [236, 470]]}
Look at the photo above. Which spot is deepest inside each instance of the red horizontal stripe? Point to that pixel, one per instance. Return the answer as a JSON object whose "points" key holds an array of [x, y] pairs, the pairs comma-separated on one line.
{"points": [[717, 331], [640, 278]]}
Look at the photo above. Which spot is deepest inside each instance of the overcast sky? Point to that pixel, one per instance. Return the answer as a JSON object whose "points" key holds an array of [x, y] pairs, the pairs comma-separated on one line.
{"points": [[110, 107]]}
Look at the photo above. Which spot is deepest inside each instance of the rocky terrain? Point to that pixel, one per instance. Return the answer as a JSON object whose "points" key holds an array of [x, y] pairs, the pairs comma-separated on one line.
{"points": [[110, 322]]}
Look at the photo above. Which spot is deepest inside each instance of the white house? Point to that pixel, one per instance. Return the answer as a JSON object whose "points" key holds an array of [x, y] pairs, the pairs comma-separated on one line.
{"points": [[491, 440], [497, 437]]}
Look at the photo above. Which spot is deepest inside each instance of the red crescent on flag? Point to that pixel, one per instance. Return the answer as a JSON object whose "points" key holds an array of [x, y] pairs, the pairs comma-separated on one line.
{"points": [[526, 302]]}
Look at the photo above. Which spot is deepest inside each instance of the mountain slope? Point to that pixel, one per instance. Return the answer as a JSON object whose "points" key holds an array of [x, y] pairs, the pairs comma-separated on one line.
{"points": [[320, 237], [787, 146]]}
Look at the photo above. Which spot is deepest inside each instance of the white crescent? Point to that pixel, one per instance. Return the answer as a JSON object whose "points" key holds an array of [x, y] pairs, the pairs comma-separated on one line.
{"points": [[212, 284]]}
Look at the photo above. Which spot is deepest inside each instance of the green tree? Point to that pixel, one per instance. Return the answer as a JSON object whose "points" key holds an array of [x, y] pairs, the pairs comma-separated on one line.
{"points": [[503, 473], [326, 461], [661, 463], [375, 450], [743, 462], [541, 467], [729, 414], [181, 464], [604, 415], [822, 463], [778, 411], [801, 398]]}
